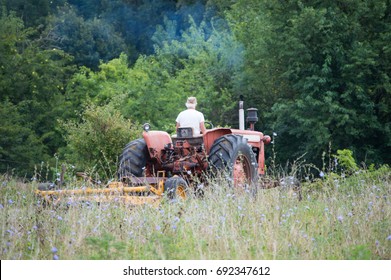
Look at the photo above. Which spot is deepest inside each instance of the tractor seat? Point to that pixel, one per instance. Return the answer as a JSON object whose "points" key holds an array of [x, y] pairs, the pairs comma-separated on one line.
{"points": [[186, 133]]}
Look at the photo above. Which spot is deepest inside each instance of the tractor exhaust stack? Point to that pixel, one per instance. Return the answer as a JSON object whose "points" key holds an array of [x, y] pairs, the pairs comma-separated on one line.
{"points": [[241, 115]]}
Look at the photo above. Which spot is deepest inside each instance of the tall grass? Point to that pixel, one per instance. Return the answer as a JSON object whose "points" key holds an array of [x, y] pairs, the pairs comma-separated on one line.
{"points": [[338, 218]]}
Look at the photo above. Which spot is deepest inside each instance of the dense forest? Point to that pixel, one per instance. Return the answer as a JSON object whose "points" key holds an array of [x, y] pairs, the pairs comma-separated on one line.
{"points": [[78, 77]]}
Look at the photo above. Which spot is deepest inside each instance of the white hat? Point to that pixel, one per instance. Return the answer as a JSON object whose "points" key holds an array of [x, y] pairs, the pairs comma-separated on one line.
{"points": [[191, 102]]}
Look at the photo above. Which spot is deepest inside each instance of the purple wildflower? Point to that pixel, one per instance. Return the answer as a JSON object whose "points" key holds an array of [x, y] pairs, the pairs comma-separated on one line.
{"points": [[56, 257], [389, 237], [1, 206], [54, 250], [10, 201], [340, 218]]}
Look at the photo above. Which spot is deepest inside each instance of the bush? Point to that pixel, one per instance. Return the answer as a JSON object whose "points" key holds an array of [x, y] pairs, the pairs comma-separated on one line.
{"points": [[346, 160], [95, 144]]}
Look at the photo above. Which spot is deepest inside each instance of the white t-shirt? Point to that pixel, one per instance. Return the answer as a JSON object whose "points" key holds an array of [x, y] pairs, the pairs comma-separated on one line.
{"points": [[191, 118]]}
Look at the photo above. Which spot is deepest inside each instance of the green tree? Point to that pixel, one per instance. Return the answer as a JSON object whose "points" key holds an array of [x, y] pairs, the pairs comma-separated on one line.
{"points": [[19, 146], [32, 80], [32, 12], [88, 40], [94, 144], [205, 62], [322, 67], [201, 62]]}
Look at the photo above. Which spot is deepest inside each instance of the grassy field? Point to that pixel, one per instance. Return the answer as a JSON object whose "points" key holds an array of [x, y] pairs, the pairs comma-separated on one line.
{"points": [[338, 218]]}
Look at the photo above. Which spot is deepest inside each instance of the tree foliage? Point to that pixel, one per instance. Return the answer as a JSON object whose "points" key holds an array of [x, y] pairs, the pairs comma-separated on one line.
{"points": [[32, 85], [325, 67], [318, 72], [95, 143]]}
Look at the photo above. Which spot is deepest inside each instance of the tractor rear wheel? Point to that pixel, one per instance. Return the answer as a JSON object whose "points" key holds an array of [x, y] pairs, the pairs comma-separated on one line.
{"points": [[133, 159], [232, 155], [176, 188]]}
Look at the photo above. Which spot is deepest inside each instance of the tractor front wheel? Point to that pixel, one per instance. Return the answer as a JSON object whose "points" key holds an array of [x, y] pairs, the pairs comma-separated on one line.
{"points": [[232, 155], [176, 188]]}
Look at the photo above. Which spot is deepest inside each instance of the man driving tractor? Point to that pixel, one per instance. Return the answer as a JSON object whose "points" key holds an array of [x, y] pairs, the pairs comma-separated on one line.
{"points": [[191, 117]]}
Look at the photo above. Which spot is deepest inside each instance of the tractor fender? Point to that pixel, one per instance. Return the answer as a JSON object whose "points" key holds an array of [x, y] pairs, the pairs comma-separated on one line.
{"points": [[211, 135], [156, 142]]}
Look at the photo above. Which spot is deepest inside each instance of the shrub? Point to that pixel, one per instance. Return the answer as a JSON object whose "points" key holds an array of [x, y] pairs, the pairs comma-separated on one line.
{"points": [[94, 144], [346, 160]]}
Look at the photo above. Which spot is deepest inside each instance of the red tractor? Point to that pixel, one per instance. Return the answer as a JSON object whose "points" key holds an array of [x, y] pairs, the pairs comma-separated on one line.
{"points": [[159, 164], [184, 161]]}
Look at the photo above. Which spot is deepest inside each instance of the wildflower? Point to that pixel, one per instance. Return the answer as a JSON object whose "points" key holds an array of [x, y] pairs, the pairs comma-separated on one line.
{"points": [[389, 237], [321, 174], [59, 218], [350, 214], [377, 243], [1, 206], [54, 250], [56, 257], [10, 201], [274, 134], [158, 228], [340, 218]]}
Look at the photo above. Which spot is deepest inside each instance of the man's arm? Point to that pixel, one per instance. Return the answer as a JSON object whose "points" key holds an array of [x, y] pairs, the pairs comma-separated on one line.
{"points": [[202, 127]]}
